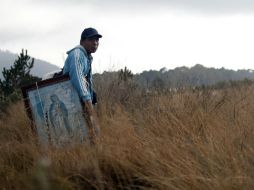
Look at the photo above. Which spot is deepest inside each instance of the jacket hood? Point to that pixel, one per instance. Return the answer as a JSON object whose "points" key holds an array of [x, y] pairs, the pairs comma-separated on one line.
{"points": [[78, 47]]}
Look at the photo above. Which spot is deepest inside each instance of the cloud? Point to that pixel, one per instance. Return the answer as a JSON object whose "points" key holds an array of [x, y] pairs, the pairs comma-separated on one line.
{"points": [[195, 6], [14, 34], [215, 6]]}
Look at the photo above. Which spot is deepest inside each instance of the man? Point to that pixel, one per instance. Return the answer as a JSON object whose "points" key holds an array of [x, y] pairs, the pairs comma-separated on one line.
{"points": [[78, 66]]}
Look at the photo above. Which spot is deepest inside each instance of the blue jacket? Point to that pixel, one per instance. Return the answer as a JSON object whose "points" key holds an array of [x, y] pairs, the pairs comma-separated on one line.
{"points": [[78, 66]]}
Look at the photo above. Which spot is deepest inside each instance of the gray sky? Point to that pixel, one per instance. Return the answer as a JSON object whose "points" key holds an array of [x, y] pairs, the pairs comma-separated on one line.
{"points": [[141, 35]]}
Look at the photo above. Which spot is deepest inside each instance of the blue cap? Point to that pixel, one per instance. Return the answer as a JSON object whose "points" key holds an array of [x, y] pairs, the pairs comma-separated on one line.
{"points": [[90, 33]]}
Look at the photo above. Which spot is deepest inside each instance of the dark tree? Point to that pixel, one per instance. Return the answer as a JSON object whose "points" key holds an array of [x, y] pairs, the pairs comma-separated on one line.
{"points": [[16, 77], [125, 74]]}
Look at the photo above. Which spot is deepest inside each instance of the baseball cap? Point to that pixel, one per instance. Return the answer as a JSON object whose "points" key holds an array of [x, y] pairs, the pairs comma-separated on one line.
{"points": [[89, 33]]}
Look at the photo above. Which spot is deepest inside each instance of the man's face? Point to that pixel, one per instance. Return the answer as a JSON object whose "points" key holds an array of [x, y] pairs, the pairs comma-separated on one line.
{"points": [[90, 44]]}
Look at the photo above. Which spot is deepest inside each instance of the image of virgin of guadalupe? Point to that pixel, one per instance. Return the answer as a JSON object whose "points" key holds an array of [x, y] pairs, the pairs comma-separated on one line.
{"points": [[58, 116]]}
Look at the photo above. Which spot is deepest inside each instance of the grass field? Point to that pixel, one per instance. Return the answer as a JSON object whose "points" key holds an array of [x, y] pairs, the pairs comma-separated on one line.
{"points": [[201, 139]]}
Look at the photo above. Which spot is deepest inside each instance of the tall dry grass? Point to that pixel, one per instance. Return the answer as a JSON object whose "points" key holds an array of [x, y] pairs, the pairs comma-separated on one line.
{"points": [[185, 140]]}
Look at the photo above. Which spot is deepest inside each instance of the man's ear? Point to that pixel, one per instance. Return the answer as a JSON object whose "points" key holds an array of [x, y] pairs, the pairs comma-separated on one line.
{"points": [[82, 41]]}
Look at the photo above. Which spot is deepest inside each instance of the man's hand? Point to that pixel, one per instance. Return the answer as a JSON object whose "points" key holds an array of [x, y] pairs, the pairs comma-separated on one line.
{"points": [[91, 119]]}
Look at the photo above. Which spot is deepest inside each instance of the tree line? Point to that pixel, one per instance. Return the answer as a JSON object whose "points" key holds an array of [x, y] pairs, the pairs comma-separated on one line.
{"points": [[180, 77]]}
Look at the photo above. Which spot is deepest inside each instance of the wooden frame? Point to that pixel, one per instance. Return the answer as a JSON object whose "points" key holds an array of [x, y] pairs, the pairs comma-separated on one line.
{"points": [[54, 107]]}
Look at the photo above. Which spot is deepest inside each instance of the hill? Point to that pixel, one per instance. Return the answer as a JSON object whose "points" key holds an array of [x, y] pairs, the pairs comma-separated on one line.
{"points": [[197, 75], [180, 77], [40, 68]]}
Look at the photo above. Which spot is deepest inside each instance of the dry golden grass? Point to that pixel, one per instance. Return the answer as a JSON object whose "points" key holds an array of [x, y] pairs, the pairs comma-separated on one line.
{"points": [[185, 140]]}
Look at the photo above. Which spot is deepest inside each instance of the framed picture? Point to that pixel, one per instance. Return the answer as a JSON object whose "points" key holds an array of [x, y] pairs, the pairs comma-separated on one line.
{"points": [[54, 107]]}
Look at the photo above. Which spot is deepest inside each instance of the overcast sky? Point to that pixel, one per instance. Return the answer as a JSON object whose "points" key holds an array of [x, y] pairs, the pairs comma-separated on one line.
{"points": [[139, 34]]}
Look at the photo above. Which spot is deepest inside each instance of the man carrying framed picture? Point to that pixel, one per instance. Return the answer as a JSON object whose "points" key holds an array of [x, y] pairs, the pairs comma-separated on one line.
{"points": [[78, 67]]}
